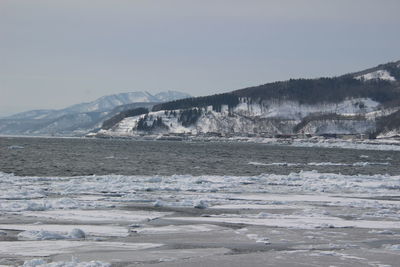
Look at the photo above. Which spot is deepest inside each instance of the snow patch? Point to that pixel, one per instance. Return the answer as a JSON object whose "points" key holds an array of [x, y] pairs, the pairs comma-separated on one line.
{"points": [[379, 74]]}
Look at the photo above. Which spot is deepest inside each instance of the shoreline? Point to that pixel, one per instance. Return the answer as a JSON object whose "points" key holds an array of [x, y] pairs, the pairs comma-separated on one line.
{"points": [[389, 144]]}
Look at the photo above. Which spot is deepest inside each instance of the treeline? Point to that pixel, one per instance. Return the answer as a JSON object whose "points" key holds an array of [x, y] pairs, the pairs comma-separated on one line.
{"points": [[305, 91], [156, 124], [108, 124], [323, 90], [216, 101], [189, 116]]}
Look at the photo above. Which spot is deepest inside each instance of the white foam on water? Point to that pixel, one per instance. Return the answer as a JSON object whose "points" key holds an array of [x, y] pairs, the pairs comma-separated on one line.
{"points": [[255, 163], [355, 164]]}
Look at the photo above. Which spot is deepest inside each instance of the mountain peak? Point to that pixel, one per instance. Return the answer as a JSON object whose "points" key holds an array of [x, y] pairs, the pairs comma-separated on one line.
{"points": [[109, 102], [104, 103]]}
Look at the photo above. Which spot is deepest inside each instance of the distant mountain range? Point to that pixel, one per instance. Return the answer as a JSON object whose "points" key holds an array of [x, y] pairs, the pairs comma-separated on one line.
{"points": [[81, 118], [361, 103]]}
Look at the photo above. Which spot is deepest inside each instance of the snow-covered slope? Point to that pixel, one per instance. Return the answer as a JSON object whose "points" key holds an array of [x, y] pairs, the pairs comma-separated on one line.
{"points": [[386, 72], [379, 74], [352, 116]]}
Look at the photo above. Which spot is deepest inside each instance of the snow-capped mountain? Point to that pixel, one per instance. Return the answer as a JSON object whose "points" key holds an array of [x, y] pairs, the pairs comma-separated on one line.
{"points": [[105, 103], [169, 96], [81, 118], [365, 102], [111, 101]]}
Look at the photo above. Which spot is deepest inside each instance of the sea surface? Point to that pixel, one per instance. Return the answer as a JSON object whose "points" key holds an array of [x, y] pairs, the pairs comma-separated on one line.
{"points": [[76, 157]]}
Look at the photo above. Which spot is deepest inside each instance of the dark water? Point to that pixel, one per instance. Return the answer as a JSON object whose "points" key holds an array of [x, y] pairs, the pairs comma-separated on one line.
{"points": [[70, 157]]}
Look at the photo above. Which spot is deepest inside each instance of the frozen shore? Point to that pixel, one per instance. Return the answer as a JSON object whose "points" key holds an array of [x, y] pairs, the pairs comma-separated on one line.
{"points": [[387, 144]]}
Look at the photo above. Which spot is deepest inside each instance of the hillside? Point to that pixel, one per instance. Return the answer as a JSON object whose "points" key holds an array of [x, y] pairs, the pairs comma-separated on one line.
{"points": [[355, 103]]}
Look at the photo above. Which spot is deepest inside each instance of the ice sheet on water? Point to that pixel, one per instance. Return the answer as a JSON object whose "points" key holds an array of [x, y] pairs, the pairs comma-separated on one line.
{"points": [[178, 229], [68, 229], [73, 263], [125, 185], [45, 248], [40, 235], [98, 215], [44, 204], [294, 221], [67, 195]]}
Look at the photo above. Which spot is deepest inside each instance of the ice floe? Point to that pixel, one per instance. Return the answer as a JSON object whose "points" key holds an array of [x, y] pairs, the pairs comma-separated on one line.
{"points": [[40, 235], [64, 230], [98, 215], [47, 235], [73, 263], [178, 229], [296, 222], [88, 198], [47, 248]]}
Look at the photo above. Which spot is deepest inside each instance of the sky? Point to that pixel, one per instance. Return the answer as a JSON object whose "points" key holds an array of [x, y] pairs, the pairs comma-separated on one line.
{"points": [[55, 53]]}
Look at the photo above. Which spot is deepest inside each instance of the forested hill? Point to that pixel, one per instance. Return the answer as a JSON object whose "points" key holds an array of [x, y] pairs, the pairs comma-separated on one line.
{"points": [[380, 84], [360, 103]]}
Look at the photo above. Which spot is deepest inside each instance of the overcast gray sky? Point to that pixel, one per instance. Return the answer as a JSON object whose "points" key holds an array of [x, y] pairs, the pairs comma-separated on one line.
{"points": [[55, 53]]}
